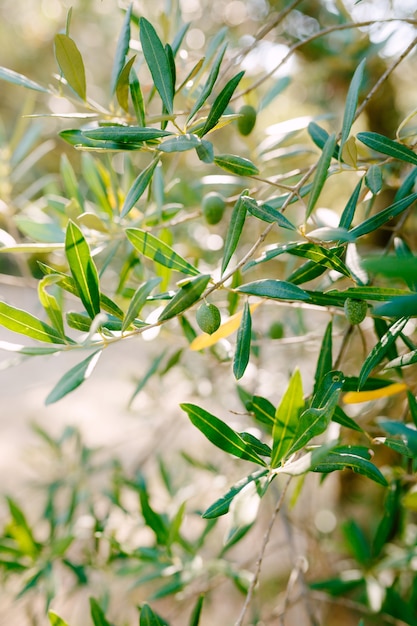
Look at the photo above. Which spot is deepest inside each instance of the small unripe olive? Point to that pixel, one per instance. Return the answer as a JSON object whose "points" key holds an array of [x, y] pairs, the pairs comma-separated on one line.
{"points": [[213, 206], [208, 318], [247, 119], [355, 310], [276, 330]]}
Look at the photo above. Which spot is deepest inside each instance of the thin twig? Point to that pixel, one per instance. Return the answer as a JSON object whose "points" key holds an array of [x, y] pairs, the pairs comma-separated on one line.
{"points": [[259, 561]]}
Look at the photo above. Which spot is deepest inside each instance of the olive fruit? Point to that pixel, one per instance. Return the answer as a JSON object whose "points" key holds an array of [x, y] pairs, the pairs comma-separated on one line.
{"points": [[213, 206], [355, 310], [208, 318], [276, 330], [247, 119]]}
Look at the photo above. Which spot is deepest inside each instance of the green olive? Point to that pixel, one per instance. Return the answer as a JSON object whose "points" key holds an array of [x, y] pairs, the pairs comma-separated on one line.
{"points": [[213, 206], [208, 318], [355, 310], [247, 119]]}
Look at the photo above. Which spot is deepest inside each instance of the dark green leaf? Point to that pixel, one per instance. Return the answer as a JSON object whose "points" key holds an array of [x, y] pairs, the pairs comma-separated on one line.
{"points": [[321, 255], [398, 307], [357, 541], [83, 269], [71, 64], [344, 457], [73, 378], [220, 434], [320, 136], [350, 208], [378, 142], [153, 248], [237, 220], [25, 323], [287, 419], [138, 188], [188, 293], [150, 618], [379, 351], [236, 164], [321, 173], [125, 134], [407, 185], [406, 433], [137, 98], [77, 139], [243, 341], [97, 614], [351, 103], [195, 616], [275, 289], [267, 213], [153, 520], [325, 358], [22, 81], [373, 179], [121, 50], [158, 63], [220, 103], [208, 87]]}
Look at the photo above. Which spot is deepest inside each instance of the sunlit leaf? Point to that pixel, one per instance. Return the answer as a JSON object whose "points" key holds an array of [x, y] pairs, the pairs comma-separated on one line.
{"points": [[208, 87], [55, 620], [25, 323], [237, 220], [287, 418], [220, 434], [243, 341], [138, 300], [73, 378], [236, 164], [320, 254], [157, 61], [222, 505], [153, 248], [267, 213], [353, 397], [71, 64], [138, 188], [275, 289], [83, 269]]}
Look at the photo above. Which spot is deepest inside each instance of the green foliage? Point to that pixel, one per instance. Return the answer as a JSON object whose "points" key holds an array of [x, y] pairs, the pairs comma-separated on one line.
{"points": [[178, 199]]}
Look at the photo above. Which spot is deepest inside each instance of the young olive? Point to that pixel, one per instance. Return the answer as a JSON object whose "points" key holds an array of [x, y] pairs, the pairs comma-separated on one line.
{"points": [[213, 206], [355, 310], [208, 318], [247, 119]]}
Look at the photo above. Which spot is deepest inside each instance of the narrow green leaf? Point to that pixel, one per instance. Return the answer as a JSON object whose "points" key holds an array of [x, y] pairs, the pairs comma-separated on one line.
{"points": [[152, 519], [50, 303], [181, 143], [373, 179], [350, 208], [306, 272], [222, 505], [71, 64], [237, 220], [243, 341], [407, 185], [29, 350], [403, 361], [73, 378], [398, 307], [321, 255], [125, 134], [97, 614], [150, 618], [236, 164], [137, 98], [379, 351], [149, 373], [185, 297], [351, 103], [22, 81], [195, 616], [321, 173], [20, 530], [94, 177], [275, 289], [384, 216], [394, 149], [351, 457], [158, 63], [25, 323], [325, 358], [138, 300], [220, 103], [205, 151], [55, 620], [153, 248], [287, 418], [123, 85], [320, 136], [407, 434], [267, 213], [208, 87], [171, 62], [220, 434], [121, 50], [138, 187], [77, 139], [83, 269], [315, 420]]}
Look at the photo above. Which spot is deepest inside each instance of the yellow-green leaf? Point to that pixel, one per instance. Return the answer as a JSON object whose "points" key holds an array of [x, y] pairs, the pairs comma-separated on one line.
{"points": [[71, 64], [83, 269]]}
